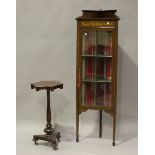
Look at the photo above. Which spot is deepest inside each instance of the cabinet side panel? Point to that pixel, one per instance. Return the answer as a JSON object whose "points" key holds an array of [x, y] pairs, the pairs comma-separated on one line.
{"points": [[115, 69], [116, 65], [77, 67]]}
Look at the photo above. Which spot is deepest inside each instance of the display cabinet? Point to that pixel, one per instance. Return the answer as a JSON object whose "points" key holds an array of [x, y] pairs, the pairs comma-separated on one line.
{"points": [[96, 69]]}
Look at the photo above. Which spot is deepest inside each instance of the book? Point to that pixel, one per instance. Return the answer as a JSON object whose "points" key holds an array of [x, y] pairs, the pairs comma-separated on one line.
{"points": [[89, 91], [100, 43], [89, 68], [104, 67], [90, 50], [109, 94], [100, 94], [109, 44], [105, 43], [100, 68], [100, 49], [108, 69], [105, 70], [104, 94], [109, 49]]}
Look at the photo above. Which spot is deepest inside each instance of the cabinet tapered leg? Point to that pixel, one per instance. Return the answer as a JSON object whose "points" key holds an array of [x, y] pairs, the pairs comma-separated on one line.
{"points": [[114, 129], [77, 126], [100, 123]]}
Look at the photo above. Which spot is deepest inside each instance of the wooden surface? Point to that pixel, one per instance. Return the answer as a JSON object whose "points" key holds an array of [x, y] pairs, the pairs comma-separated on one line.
{"points": [[97, 20], [98, 15], [51, 85], [51, 135]]}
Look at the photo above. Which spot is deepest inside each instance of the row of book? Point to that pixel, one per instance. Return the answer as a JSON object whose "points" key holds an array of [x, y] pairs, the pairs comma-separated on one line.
{"points": [[99, 49], [98, 94], [101, 69], [97, 43]]}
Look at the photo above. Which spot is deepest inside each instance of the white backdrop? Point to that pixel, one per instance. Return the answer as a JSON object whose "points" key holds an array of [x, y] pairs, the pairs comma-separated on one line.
{"points": [[46, 50]]}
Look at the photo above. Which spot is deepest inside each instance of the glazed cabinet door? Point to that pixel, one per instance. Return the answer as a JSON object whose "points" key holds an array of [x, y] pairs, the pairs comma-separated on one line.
{"points": [[96, 67]]}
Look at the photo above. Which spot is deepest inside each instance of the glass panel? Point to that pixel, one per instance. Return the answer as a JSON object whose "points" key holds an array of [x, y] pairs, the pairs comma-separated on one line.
{"points": [[89, 43], [87, 93], [96, 68], [97, 43], [100, 69], [104, 69], [109, 44], [104, 43], [100, 42], [104, 94], [88, 68], [97, 94]]}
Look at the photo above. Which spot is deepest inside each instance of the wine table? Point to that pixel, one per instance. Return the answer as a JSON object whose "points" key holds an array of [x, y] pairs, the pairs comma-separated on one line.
{"points": [[51, 135]]}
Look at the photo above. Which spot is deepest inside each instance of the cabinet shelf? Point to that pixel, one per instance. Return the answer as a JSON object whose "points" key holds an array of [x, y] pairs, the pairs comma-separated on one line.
{"points": [[96, 81], [97, 107], [100, 56]]}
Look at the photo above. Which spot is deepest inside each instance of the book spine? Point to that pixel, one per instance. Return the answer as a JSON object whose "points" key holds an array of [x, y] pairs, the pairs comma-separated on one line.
{"points": [[105, 43], [110, 44], [105, 77], [99, 94], [110, 49], [89, 68], [100, 69], [90, 94], [108, 70]]}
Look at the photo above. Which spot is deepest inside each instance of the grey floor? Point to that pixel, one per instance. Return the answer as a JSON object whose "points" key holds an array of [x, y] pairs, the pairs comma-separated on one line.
{"points": [[89, 143]]}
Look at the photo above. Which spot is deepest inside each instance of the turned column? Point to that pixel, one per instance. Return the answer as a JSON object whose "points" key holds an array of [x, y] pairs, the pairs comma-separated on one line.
{"points": [[48, 130]]}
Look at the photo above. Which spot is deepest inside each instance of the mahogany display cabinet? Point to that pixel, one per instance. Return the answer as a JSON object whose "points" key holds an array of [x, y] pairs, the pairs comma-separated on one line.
{"points": [[96, 69]]}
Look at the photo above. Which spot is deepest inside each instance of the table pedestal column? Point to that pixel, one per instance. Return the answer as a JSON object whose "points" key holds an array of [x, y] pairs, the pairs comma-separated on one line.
{"points": [[51, 135]]}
